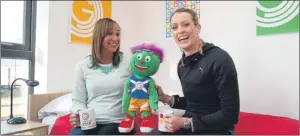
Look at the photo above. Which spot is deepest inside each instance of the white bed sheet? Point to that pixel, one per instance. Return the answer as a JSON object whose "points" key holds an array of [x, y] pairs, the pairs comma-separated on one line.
{"points": [[50, 120]]}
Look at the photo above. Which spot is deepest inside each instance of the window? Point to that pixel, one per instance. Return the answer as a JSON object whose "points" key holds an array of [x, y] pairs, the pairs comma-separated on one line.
{"points": [[10, 70], [18, 21], [12, 16]]}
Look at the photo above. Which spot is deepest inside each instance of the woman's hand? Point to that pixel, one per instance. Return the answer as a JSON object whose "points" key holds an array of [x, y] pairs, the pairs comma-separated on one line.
{"points": [[74, 120], [162, 96], [174, 122]]}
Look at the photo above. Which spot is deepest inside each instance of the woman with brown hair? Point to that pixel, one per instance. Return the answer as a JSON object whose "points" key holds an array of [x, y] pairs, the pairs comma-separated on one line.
{"points": [[209, 83], [99, 80]]}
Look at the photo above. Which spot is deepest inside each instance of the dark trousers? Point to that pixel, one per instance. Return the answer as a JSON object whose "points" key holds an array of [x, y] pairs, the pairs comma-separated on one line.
{"points": [[179, 132], [186, 132], [101, 129]]}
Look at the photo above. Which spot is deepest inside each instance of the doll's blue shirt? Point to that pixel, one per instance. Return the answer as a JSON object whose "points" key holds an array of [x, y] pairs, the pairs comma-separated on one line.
{"points": [[139, 87]]}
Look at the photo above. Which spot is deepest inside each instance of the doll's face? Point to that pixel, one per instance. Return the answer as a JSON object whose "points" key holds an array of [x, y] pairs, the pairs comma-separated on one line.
{"points": [[144, 63]]}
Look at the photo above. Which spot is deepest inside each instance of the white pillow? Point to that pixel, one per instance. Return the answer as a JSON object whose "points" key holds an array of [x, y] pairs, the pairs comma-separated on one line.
{"points": [[58, 106]]}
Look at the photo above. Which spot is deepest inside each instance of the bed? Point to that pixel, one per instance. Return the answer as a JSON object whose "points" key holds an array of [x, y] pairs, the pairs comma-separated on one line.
{"points": [[38, 102], [46, 108], [58, 121]]}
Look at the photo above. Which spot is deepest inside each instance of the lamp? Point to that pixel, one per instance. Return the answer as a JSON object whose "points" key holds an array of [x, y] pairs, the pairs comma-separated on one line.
{"points": [[18, 120]]}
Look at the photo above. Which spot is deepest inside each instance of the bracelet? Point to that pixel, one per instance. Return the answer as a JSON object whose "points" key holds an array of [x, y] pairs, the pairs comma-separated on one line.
{"points": [[187, 124]]}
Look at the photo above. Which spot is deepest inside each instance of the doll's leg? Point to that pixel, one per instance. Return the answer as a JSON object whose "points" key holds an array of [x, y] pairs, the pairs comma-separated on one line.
{"points": [[145, 108], [132, 113], [133, 107], [145, 114], [127, 125], [147, 124]]}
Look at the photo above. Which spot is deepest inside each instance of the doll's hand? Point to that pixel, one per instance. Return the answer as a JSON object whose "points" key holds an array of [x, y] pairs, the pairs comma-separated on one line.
{"points": [[153, 106]]}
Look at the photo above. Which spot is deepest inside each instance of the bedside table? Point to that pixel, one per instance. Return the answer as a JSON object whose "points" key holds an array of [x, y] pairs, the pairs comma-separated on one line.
{"points": [[29, 128]]}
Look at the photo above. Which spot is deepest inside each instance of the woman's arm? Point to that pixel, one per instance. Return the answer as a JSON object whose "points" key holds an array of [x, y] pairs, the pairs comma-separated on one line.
{"points": [[226, 82], [79, 92], [174, 101]]}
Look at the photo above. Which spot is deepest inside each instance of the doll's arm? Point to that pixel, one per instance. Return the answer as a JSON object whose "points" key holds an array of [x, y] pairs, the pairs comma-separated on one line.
{"points": [[153, 96], [126, 96]]}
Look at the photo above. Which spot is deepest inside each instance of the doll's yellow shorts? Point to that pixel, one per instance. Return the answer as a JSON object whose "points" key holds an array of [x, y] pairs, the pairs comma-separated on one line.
{"points": [[139, 103]]}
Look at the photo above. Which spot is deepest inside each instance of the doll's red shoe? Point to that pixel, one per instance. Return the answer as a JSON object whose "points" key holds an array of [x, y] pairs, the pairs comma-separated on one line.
{"points": [[126, 125], [146, 125]]}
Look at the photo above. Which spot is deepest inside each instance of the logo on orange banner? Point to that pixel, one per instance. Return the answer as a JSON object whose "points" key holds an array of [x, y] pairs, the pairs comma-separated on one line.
{"points": [[84, 16]]}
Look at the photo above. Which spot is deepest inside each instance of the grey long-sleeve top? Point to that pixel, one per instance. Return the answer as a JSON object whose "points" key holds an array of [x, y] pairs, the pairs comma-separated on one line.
{"points": [[94, 89]]}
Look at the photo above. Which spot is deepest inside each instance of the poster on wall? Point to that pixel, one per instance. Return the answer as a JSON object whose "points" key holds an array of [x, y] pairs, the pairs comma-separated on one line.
{"points": [[84, 16], [171, 6], [277, 17]]}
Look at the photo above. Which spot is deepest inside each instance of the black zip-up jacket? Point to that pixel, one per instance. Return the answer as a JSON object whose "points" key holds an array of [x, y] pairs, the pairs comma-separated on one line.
{"points": [[210, 87]]}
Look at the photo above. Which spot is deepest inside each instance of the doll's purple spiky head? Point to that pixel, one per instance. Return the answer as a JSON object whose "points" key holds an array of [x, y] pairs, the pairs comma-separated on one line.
{"points": [[150, 47]]}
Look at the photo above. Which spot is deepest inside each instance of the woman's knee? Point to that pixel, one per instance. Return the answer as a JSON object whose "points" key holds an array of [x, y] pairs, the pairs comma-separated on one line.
{"points": [[76, 131]]}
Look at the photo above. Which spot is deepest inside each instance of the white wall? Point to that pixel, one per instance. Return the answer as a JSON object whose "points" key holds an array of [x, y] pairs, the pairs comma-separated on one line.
{"points": [[60, 56], [41, 51], [268, 66]]}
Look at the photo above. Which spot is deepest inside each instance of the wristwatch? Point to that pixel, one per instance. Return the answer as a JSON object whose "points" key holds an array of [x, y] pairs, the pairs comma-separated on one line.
{"points": [[187, 124]]}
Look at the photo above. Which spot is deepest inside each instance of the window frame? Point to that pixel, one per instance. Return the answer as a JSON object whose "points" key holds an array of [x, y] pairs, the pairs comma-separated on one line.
{"points": [[25, 51]]}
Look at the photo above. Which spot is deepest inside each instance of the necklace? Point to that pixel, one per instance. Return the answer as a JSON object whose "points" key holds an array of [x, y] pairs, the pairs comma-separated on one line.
{"points": [[104, 68]]}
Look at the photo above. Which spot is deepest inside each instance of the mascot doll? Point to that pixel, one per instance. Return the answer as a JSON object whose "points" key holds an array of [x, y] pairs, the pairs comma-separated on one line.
{"points": [[140, 94]]}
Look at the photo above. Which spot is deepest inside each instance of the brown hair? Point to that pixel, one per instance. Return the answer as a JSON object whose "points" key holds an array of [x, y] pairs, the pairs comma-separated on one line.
{"points": [[190, 11], [101, 30]]}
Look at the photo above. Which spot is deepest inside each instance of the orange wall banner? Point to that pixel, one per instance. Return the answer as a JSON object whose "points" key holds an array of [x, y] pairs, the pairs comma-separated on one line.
{"points": [[84, 16]]}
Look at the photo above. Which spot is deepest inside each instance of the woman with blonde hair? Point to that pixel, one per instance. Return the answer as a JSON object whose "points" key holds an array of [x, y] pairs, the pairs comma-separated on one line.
{"points": [[209, 83]]}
